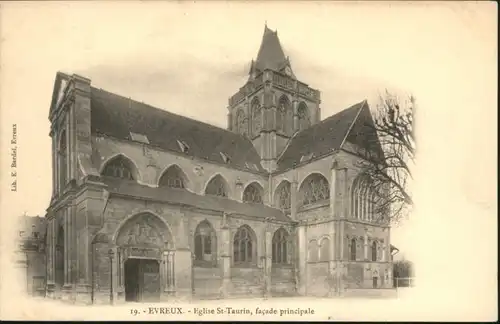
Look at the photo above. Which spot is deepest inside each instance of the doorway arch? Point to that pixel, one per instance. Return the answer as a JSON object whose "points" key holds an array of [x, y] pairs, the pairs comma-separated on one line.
{"points": [[145, 248]]}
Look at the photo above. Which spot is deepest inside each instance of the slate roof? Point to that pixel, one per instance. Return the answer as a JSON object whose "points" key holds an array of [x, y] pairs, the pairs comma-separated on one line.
{"points": [[184, 197], [271, 54], [323, 137], [117, 116]]}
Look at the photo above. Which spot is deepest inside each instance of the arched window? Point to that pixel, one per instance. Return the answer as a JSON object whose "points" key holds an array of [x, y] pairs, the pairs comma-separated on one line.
{"points": [[303, 114], [314, 188], [280, 247], [374, 251], [362, 199], [217, 187], [173, 177], [282, 120], [63, 152], [312, 251], [352, 254], [256, 117], [205, 245], [324, 250], [243, 246], [283, 196], [119, 167], [241, 122], [253, 193]]}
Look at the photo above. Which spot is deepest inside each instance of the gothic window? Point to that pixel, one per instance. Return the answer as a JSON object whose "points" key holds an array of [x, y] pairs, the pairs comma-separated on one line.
{"points": [[241, 122], [312, 251], [352, 254], [62, 160], [283, 196], [281, 114], [253, 193], [303, 114], [243, 246], [217, 187], [205, 244], [314, 188], [362, 199], [173, 178], [256, 117], [374, 251], [324, 250], [280, 248], [119, 167]]}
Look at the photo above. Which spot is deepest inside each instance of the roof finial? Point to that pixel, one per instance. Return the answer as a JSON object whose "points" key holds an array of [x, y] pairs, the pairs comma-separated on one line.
{"points": [[265, 23]]}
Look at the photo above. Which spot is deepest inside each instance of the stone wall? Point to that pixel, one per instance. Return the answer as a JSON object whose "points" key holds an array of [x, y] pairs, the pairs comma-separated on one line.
{"points": [[317, 279], [283, 282], [207, 282]]}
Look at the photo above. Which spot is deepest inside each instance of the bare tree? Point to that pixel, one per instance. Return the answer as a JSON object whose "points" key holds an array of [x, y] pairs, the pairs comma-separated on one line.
{"points": [[388, 155], [403, 269]]}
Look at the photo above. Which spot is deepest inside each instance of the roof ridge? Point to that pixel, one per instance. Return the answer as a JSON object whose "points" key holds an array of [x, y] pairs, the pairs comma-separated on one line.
{"points": [[364, 102], [286, 146], [343, 110], [169, 112]]}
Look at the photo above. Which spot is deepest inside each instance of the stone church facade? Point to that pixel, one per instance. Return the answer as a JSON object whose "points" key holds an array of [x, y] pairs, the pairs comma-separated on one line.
{"points": [[148, 205]]}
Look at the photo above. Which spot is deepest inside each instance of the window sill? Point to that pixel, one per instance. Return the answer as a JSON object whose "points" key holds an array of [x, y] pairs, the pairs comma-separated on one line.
{"points": [[315, 205], [311, 262], [245, 265], [201, 264]]}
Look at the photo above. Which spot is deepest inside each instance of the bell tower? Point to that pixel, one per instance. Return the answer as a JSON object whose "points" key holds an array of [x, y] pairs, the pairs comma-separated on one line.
{"points": [[272, 105]]}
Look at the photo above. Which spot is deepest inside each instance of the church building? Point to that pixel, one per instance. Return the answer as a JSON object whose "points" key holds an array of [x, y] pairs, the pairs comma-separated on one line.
{"points": [[148, 205]]}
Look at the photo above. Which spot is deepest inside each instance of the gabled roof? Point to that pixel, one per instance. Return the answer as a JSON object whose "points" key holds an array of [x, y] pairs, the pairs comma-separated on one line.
{"points": [[323, 137], [59, 83], [271, 54], [184, 197], [117, 116], [363, 135]]}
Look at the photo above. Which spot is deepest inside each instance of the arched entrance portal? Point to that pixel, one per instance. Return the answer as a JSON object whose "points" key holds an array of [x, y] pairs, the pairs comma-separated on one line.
{"points": [[142, 280], [145, 258]]}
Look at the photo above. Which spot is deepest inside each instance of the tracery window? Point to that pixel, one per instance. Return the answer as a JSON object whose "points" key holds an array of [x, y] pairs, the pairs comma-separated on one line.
{"points": [[119, 167], [280, 247], [374, 251], [352, 254], [256, 117], [205, 244], [243, 245], [303, 114], [241, 122], [253, 193], [63, 152], [362, 200], [173, 178], [315, 188], [281, 114], [217, 187], [283, 195]]}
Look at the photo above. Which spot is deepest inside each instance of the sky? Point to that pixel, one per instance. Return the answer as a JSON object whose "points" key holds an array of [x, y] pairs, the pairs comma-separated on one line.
{"points": [[189, 58]]}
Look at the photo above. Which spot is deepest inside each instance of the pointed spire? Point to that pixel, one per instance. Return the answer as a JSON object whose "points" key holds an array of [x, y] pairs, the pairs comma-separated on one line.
{"points": [[271, 53]]}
